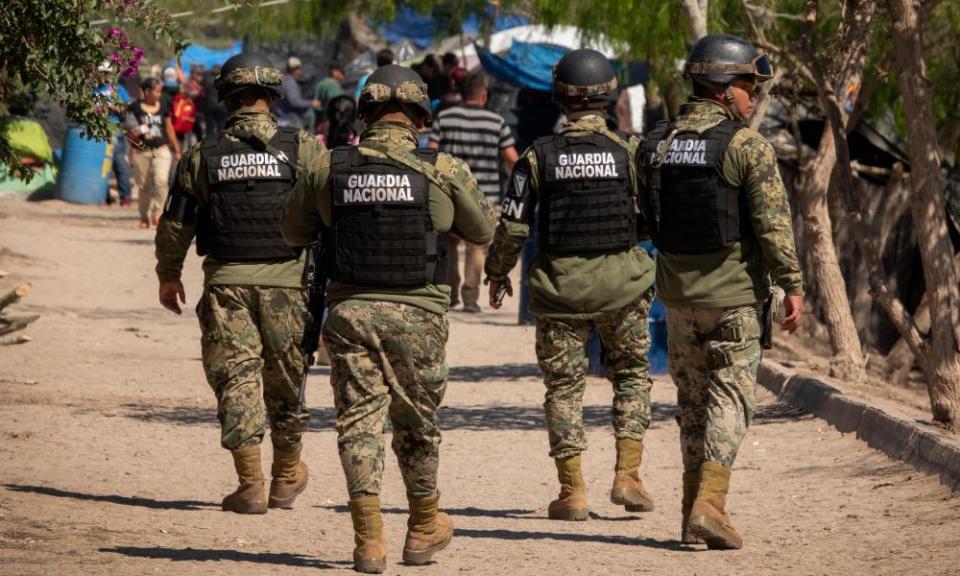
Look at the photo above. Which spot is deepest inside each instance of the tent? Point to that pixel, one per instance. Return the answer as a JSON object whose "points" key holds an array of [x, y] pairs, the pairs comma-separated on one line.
{"points": [[206, 57], [524, 65], [421, 29]]}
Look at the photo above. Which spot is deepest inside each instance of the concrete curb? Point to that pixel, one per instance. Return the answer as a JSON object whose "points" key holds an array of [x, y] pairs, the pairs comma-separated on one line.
{"points": [[921, 446]]}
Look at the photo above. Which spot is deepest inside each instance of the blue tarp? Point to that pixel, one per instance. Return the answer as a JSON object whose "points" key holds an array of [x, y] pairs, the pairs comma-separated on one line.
{"points": [[207, 57], [421, 29], [525, 65]]}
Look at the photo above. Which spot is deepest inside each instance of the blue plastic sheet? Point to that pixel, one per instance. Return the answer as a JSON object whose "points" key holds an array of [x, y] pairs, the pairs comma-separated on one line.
{"points": [[525, 65], [207, 57], [421, 29]]}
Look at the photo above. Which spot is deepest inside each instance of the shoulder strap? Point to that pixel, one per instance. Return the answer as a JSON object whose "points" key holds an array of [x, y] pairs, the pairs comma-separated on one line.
{"points": [[613, 137], [427, 169]]}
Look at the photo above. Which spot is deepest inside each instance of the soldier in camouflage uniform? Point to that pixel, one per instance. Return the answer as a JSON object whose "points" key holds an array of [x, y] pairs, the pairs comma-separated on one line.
{"points": [[579, 187], [386, 208], [721, 222], [252, 304]]}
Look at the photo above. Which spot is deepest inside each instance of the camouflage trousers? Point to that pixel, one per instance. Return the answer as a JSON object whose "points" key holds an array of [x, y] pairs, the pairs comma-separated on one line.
{"points": [[251, 355], [561, 352], [714, 357], [387, 360]]}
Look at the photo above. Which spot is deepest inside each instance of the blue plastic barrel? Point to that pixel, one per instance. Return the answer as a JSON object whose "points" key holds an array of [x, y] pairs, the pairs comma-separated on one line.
{"points": [[86, 168]]}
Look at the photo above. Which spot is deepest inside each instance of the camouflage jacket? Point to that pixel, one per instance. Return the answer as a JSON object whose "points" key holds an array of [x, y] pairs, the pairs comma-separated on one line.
{"points": [[173, 237], [566, 286], [457, 205], [739, 274]]}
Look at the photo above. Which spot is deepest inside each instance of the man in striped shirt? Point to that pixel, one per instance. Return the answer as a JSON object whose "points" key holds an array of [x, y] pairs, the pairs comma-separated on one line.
{"points": [[482, 139]]}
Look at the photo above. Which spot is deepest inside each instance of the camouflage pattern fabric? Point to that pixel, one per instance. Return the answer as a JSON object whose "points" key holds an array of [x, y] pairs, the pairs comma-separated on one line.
{"points": [[388, 360], [561, 352], [714, 357], [410, 92], [250, 77], [251, 356], [571, 91]]}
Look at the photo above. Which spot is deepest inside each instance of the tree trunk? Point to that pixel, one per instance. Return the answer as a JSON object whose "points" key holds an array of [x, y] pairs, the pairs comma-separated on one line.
{"points": [[697, 12], [942, 367], [847, 361], [884, 216]]}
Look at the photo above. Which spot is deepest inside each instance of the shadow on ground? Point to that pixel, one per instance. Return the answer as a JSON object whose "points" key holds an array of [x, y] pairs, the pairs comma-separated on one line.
{"points": [[494, 372], [115, 499], [779, 412], [218, 555], [451, 417], [570, 537], [469, 512]]}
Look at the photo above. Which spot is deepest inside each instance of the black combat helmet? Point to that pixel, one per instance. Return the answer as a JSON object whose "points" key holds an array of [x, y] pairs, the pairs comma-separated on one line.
{"points": [[717, 59], [247, 70], [393, 83], [583, 75]]}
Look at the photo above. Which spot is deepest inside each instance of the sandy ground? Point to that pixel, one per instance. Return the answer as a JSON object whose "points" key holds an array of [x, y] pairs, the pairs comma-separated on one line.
{"points": [[110, 461]]}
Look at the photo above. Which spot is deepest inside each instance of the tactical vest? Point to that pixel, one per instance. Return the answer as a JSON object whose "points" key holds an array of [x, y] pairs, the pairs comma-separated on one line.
{"points": [[586, 200], [382, 232], [691, 207], [248, 192]]}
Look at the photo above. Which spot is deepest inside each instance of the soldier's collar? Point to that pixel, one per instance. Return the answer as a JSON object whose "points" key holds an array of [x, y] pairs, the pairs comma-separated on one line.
{"points": [[592, 120], [248, 114], [705, 106], [396, 132]]}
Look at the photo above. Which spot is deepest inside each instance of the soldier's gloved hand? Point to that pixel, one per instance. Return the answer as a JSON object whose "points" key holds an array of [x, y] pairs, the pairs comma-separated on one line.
{"points": [[497, 290], [169, 292], [793, 306]]}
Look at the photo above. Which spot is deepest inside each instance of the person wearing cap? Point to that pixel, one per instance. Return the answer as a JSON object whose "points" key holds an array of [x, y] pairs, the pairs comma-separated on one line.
{"points": [[229, 193], [386, 208], [720, 220], [579, 187], [292, 108]]}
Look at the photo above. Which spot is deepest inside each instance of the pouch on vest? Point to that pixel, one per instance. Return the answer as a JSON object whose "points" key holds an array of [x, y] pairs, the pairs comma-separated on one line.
{"points": [[691, 207], [248, 186], [382, 232], [586, 202]]}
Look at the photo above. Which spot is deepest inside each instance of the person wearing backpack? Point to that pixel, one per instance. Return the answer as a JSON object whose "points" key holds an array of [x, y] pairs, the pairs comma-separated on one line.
{"points": [[183, 114]]}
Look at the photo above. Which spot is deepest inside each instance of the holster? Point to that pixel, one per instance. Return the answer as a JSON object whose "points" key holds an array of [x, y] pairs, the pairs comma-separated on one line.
{"points": [[766, 323]]}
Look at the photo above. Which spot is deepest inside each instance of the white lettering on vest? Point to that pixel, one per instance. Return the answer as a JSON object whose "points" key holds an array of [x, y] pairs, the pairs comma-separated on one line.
{"points": [[247, 166], [578, 166], [377, 188], [689, 151]]}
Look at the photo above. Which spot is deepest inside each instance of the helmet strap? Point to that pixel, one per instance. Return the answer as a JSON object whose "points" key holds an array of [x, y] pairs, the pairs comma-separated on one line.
{"points": [[731, 102]]}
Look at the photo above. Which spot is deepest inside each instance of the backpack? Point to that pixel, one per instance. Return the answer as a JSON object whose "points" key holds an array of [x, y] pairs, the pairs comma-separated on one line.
{"points": [[184, 113]]}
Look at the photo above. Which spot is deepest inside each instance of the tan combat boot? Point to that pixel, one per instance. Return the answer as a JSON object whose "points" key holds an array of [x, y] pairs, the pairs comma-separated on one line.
{"points": [[249, 497], [290, 477], [572, 503], [627, 488], [691, 485], [428, 531], [370, 554], [707, 517]]}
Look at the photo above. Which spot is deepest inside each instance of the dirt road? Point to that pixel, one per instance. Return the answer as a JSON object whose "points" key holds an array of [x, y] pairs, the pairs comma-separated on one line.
{"points": [[110, 461]]}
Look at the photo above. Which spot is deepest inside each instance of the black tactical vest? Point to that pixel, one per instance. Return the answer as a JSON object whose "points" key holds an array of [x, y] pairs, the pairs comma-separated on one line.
{"points": [[689, 205], [586, 201], [248, 192], [382, 233]]}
